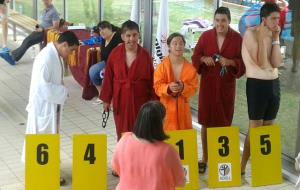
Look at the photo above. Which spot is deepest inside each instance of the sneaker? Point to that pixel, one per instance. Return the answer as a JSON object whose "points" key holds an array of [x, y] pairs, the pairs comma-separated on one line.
{"points": [[4, 50], [7, 57]]}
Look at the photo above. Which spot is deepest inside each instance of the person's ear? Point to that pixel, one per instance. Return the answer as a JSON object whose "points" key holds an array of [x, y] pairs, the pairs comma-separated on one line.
{"points": [[123, 37], [263, 21], [65, 44]]}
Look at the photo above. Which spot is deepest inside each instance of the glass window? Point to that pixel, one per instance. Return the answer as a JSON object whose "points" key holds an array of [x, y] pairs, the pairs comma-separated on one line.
{"points": [[116, 11], [83, 11], [23, 7]]}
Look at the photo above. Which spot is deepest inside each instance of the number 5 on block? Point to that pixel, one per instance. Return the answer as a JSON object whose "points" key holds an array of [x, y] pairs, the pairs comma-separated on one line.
{"points": [[42, 162], [89, 162], [265, 150]]}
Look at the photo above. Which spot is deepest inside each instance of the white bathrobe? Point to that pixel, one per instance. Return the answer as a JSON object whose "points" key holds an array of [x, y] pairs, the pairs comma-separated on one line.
{"points": [[47, 93]]}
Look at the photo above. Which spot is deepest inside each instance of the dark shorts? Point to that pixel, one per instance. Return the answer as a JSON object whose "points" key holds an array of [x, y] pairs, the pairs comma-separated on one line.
{"points": [[263, 98]]}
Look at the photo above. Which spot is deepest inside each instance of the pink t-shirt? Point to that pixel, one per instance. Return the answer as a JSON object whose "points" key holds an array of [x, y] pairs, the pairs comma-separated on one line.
{"points": [[147, 166]]}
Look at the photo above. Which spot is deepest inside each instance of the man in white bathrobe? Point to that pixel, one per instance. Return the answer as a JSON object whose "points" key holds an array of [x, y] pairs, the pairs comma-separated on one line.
{"points": [[47, 90]]}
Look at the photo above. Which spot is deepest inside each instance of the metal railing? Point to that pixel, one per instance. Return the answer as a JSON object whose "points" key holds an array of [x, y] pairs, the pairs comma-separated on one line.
{"points": [[247, 3]]}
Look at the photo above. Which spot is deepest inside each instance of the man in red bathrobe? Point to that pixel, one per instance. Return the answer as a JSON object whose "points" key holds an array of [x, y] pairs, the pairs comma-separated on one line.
{"points": [[128, 79], [217, 58]]}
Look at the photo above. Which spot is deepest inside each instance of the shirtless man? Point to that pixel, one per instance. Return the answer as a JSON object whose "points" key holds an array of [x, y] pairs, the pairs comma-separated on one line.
{"points": [[262, 57]]}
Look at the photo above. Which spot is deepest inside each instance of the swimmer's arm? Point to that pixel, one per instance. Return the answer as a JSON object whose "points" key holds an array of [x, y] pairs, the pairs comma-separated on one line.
{"points": [[253, 47], [276, 58]]}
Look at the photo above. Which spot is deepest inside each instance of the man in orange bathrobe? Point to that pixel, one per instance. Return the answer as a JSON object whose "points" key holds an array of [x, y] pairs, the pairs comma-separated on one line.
{"points": [[176, 72]]}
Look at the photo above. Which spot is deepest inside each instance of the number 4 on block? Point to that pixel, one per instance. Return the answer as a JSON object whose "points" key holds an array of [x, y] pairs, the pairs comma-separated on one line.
{"points": [[89, 162]]}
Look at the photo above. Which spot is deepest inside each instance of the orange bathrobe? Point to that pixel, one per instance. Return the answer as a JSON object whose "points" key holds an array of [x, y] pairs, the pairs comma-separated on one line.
{"points": [[178, 116]]}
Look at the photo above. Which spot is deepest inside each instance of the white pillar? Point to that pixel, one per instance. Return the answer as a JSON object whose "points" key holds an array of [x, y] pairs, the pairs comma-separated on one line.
{"points": [[217, 3], [135, 11]]}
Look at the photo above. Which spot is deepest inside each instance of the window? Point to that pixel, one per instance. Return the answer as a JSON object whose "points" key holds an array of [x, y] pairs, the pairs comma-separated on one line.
{"points": [[24, 7], [83, 11]]}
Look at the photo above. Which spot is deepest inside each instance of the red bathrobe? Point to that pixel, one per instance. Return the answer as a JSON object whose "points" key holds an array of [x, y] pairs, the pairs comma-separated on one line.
{"points": [[217, 93], [128, 89]]}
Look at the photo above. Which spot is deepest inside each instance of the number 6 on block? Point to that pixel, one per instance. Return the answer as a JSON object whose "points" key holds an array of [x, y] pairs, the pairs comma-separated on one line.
{"points": [[265, 148], [89, 162], [42, 162]]}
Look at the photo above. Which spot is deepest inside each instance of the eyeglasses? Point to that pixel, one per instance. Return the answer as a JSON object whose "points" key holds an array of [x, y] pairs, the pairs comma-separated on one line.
{"points": [[105, 116]]}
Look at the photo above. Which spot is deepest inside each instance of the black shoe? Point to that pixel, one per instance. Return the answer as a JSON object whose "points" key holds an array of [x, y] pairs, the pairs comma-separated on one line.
{"points": [[202, 167], [62, 181]]}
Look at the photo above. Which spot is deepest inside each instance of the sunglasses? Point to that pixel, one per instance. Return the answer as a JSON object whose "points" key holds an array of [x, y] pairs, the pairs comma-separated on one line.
{"points": [[105, 116]]}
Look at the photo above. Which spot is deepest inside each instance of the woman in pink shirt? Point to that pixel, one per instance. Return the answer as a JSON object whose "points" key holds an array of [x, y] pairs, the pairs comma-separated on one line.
{"points": [[142, 159]]}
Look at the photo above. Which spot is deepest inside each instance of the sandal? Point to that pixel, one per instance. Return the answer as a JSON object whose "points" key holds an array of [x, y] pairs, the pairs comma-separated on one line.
{"points": [[202, 167]]}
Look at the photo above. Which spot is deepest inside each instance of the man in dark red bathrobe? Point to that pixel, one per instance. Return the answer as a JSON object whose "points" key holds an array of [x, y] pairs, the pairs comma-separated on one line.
{"points": [[217, 58], [128, 79]]}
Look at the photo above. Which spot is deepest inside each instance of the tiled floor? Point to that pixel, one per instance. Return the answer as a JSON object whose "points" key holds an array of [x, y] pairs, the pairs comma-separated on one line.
{"points": [[80, 117]]}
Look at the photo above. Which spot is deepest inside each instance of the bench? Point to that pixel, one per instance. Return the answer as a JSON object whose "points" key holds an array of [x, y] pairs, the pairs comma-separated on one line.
{"points": [[15, 19]]}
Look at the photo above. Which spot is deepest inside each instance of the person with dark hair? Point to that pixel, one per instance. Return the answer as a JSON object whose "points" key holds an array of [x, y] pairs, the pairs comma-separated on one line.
{"points": [[175, 82], [295, 32], [283, 6], [4, 22], [142, 159], [262, 57], [130, 25], [128, 79], [49, 20], [112, 38], [217, 58], [47, 92]]}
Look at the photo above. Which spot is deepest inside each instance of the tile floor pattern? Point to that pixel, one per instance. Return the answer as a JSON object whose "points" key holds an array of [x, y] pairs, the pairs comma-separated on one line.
{"points": [[80, 117]]}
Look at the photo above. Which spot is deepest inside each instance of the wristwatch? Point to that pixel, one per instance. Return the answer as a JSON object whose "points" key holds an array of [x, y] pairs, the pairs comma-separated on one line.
{"points": [[276, 42]]}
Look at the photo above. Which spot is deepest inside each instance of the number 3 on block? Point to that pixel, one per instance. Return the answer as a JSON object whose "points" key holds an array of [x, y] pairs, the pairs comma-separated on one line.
{"points": [[89, 162]]}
